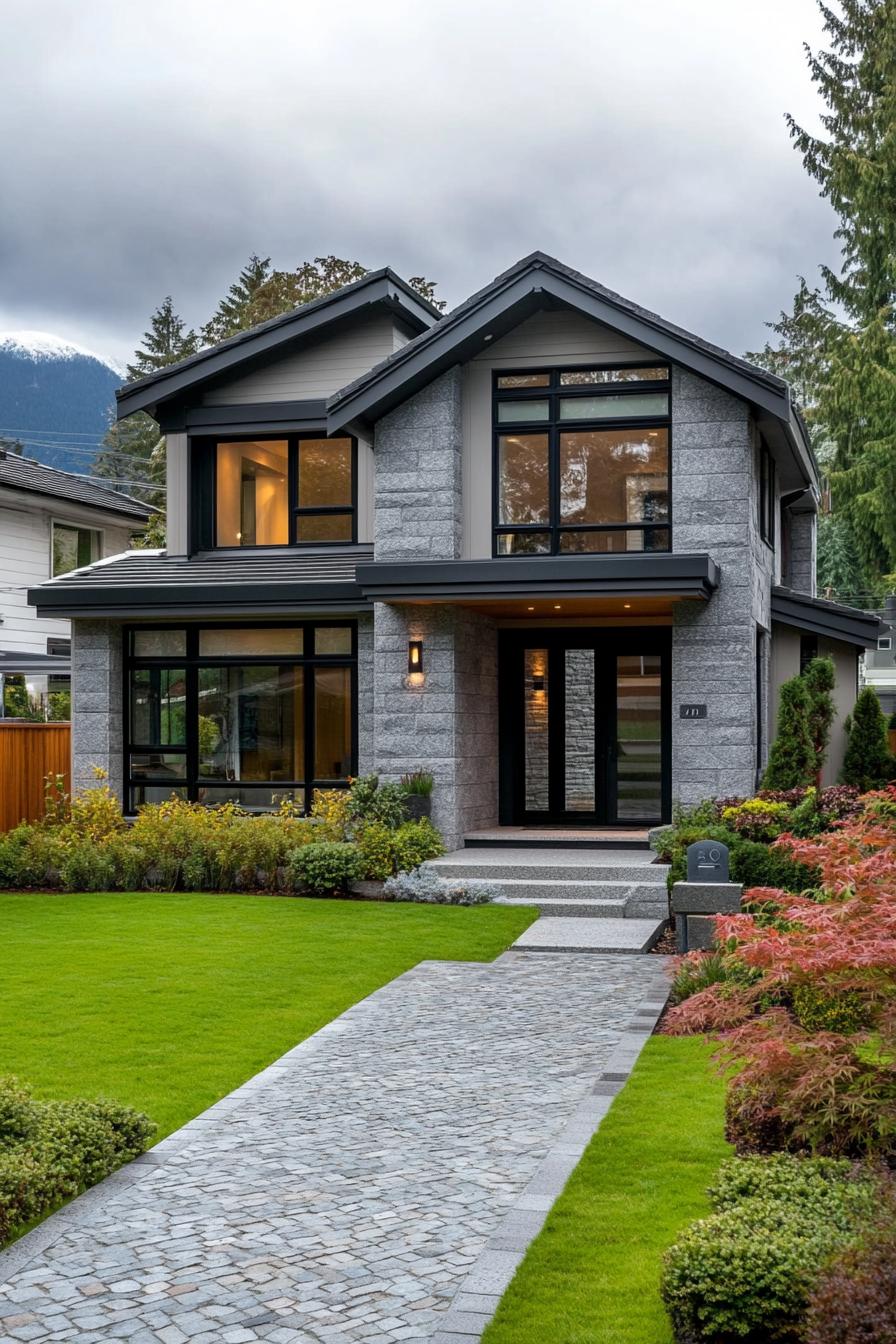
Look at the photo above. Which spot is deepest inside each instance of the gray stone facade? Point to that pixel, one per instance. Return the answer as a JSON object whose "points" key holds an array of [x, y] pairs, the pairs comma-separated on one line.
{"points": [[801, 564], [714, 508], [97, 727]]}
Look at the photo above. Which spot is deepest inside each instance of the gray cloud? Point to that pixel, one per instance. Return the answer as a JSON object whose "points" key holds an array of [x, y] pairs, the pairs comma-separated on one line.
{"points": [[149, 149]]}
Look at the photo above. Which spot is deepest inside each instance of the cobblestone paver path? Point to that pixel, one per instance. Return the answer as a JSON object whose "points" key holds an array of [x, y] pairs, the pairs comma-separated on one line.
{"points": [[345, 1193]]}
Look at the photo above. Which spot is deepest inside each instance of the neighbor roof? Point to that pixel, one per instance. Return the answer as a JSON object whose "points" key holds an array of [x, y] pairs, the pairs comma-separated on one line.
{"points": [[378, 287], [522, 290], [820, 617], [23, 473]]}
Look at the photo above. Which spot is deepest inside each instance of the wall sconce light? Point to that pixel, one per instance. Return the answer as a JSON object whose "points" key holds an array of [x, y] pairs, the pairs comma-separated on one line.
{"points": [[538, 683], [415, 656]]}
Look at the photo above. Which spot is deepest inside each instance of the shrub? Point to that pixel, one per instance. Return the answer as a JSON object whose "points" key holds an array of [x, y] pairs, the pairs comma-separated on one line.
{"points": [[370, 801], [758, 865], [330, 812], [818, 1010], [50, 1151], [698, 970], [326, 866], [854, 1301], [746, 1272], [756, 819], [377, 851], [414, 843], [820, 680], [791, 761], [867, 762], [425, 886]]}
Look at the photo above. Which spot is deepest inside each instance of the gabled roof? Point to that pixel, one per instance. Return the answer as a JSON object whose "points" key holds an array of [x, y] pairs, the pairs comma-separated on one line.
{"points": [[378, 287], [532, 283], [22, 473]]}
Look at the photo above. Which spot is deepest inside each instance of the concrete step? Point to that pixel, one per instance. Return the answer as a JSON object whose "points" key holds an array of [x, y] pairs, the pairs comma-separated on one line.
{"points": [[558, 870], [589, 935], [553, 905], [526, 887]]}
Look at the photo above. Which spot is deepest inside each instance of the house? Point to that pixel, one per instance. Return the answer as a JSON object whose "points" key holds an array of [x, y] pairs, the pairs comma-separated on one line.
{"points": [[51, 522], [549, 546], [879, 669]]}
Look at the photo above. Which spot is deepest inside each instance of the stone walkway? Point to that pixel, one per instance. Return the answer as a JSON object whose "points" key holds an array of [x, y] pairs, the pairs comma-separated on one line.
{"points": [[379, 1182]]}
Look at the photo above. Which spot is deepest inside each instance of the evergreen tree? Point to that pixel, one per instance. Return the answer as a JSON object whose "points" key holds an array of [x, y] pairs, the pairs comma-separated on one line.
{"points": [[132, 455], [237, 311], [819, 679], [791, 760], [867, 763], [839, 342]]}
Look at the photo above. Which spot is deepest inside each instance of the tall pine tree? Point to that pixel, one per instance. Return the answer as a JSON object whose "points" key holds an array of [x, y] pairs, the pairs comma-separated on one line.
{"points": [[237, 311], [838, 344], [132, 456]]}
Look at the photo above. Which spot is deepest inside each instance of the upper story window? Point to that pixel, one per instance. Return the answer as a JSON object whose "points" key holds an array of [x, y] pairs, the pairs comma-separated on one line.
{"points": [[581, 460], [766, 494], [296, 490], [73, 547]]}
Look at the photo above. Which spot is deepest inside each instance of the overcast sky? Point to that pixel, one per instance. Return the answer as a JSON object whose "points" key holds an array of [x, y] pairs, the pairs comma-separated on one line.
{"points": [[149, 149]]}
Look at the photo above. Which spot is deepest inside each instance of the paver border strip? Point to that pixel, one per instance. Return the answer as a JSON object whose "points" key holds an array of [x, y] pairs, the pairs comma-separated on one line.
{"points": [[476, 1300]]}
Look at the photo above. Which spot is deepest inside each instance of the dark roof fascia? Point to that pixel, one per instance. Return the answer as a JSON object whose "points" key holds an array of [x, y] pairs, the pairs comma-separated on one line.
{"points": [[265, 417], [654, 574], [380, 287], [13, 661], [189, 599], [820, 617], [435, 349]]}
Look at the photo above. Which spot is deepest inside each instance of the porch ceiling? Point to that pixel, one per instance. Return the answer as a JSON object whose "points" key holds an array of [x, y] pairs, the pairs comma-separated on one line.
{"points": [[540, 609]]}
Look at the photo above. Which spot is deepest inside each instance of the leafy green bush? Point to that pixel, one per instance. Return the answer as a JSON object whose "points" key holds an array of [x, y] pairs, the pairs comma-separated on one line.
{"points": [[376, 844], [414, 843], [758, 865], [50, 1151], [370, 801], [746, 1272], [326, 867], [756, 819], [845, 1012]]}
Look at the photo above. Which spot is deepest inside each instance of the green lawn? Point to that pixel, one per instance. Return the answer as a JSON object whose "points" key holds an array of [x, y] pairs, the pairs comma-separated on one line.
{"points": [[592, 1276], [168, 1002]]}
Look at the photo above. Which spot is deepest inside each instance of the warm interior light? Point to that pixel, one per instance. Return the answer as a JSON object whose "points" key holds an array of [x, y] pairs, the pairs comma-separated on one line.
{"points": [[627, 605], [530, 608], [415, 655], [556, 606]]}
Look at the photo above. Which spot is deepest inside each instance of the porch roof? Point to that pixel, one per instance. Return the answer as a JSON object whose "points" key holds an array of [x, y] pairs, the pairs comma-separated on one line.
{"points": [[638, 574], [831, 619]]}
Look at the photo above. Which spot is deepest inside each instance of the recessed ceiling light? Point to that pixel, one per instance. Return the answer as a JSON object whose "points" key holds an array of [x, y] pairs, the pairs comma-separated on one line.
{"points": [[530, 608], [556, 606], [627, 605]]}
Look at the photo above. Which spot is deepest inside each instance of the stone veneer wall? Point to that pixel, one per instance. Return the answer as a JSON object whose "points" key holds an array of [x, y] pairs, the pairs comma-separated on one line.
{"points": [[803, 529], [714, 508], [97, 726], [366, 757], [448, 722]]}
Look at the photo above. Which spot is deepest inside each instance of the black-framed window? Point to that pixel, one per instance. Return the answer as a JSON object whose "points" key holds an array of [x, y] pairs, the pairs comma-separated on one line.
{"points": [[282, 490], [251, 714], [766, 494], [582, 460]]}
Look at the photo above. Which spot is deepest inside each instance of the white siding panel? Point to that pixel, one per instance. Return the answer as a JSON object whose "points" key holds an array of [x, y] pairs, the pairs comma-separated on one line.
{"points": [[315, 371], [25, 562]]}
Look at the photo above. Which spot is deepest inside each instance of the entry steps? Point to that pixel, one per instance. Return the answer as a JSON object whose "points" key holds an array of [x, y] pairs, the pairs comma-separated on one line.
{"points": [[567, 883]]}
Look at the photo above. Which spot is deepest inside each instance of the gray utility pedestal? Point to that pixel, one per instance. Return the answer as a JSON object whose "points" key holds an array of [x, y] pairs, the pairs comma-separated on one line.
{"points": [[695, 903]]}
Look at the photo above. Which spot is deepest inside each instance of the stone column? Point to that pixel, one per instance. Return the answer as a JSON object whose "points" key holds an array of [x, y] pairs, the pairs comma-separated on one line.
{"points": [[97, 709], [714, 467]]}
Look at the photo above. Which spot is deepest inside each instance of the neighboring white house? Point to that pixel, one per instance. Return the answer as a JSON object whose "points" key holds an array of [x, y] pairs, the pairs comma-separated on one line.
{"points": [[880, 663], [51, 522]]}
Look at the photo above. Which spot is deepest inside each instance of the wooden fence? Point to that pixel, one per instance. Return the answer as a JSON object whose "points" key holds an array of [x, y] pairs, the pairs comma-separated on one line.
{"points": [[29, 752]]}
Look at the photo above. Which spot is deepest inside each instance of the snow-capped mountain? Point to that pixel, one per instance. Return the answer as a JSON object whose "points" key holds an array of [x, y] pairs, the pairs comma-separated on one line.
{"points": [[55, 397]]}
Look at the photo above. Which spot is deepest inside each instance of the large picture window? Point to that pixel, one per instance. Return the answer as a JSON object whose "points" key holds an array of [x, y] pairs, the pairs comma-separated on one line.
{"points": [[581, 460], [251, 715], [296, 490]]}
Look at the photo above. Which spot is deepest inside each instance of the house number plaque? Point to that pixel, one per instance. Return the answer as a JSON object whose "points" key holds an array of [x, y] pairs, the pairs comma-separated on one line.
{"points": [[692, 711]]}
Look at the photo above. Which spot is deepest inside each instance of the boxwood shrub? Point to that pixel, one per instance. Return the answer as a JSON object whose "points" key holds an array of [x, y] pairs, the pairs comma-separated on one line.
{"points": [[52, 1150]]}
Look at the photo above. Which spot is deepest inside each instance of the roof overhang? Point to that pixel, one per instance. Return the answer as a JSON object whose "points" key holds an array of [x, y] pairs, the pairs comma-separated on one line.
{"points": [[24, 662], [829, 619], [540, 281], [460, 582], [379, 289]]}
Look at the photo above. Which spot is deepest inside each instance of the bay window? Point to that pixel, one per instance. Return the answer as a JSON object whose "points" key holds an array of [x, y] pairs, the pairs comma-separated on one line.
{"points": [[251, 714], [581, 461]]}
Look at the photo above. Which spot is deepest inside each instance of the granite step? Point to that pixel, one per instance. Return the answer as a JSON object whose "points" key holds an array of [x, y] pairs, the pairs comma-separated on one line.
{"points": [[589, 935]]}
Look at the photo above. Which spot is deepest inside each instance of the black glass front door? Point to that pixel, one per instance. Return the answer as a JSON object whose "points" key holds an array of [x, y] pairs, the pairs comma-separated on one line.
{"points": [[584, 727]]}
